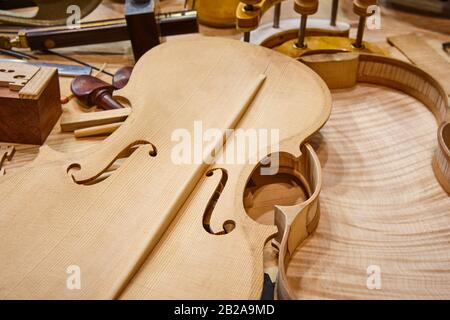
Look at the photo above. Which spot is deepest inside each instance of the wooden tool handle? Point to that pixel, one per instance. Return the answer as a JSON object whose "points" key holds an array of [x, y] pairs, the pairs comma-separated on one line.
{"points": [[92, 91], [121, 77], [88, 33], [103, 31]]}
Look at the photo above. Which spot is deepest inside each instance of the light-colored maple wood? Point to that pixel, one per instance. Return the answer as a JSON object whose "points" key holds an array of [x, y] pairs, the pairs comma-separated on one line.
{"points": [[15, 75], [111, 227], [413, 81], [380, 203], [377, 70], [296, 223], [327, 265], [338, 70], [38, 83], [90, 119], [421, 54], [30, 81], [104, 129], [441, 161], [398, 75]]}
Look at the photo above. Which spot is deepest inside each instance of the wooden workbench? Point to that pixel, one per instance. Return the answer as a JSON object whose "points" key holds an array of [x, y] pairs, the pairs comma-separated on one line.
{"points": [[379, 188]]}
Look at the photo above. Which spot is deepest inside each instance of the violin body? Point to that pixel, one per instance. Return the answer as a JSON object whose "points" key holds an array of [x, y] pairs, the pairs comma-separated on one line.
{"points": [[153, 224], [385, 186]]}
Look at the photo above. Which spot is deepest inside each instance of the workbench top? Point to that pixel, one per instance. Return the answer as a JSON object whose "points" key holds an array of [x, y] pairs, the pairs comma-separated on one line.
{"points": [[318, 269]]}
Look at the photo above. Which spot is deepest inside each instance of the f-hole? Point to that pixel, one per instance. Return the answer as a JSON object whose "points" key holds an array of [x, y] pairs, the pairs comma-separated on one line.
{"points": [[112, 166], [228, 225], [287, 187]]}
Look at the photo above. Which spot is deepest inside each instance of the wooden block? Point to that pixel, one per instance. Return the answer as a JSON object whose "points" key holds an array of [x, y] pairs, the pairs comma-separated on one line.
{"points": [[28, 115], [91, 119]]}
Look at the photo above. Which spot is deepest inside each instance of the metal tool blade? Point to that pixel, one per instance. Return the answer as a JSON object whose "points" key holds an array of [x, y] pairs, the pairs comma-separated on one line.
{"points": [[63, 69]]}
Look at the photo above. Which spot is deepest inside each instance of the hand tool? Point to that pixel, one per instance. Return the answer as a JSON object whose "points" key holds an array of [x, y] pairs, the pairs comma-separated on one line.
{"points": [[63, 69]]}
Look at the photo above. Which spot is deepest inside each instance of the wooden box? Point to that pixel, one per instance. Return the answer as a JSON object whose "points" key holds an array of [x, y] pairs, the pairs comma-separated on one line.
{"points": [[29, 103]]}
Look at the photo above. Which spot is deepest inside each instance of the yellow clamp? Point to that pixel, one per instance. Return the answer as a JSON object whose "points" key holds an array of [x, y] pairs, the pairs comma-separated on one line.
{"points": [[249, 13]]}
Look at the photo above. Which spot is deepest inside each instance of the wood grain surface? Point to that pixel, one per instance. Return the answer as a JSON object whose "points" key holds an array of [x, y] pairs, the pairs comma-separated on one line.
{"points": [[110, 227], [380, 203], [415, 48]]}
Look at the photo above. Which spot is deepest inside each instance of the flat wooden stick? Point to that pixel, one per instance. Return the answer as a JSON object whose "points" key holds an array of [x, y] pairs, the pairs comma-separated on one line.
{"points": [[104, 129], [91, 119]]}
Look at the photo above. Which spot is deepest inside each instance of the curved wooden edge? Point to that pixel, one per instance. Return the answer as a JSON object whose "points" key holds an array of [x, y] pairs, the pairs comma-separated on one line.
{"points": [[325, 45], [343, 70], [416, 82], [297, 222], [268, 36], [441, 160]]}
